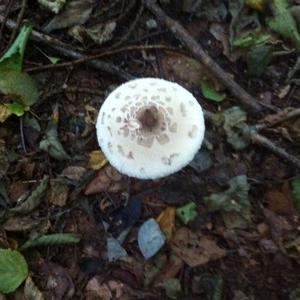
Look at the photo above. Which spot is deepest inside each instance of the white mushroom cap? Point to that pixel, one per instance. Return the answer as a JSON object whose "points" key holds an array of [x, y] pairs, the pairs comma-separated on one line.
{"points": [[150, 128]]}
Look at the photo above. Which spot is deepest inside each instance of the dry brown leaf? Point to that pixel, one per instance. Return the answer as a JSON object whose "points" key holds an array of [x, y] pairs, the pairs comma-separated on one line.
{"points": [[20, 223], [166, 221], [73, 172], [172, 268], [195, 250], [95, 290], [107, 179], [280, 201], [58, 193]]}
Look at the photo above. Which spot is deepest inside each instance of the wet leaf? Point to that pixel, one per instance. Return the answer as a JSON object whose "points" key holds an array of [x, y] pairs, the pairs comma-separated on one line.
{"points": [[195, 250], [33, 200], [13, 270], [202, 161], [233, 199], [12, 60], [52, 145], [51, 239], [75, 12], [114, 250], [31, 291], [258, 58], [166, 220], [150, 238], [296, 192], [96, 160], [20, 88], [283, 23], [124, 217], [187, 213], [236, 129], [53, 5], [210, 93]]}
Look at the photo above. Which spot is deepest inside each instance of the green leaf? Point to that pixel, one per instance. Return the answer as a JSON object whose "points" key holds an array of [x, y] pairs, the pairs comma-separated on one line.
{"points": [[52, 145], [258, 59], [187, 213], [12, 60], [233, 199], [296, 192], [52, 59], [16, 109], [210, 93], [31, 291], [283, 23], [250, 40], [33, 200], [237, 131], [52, 239], [13, 270], [20, 87]]}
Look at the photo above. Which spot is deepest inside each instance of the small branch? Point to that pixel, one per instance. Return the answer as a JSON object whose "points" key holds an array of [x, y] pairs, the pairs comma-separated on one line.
{"points": [[280, 117], [198, 52], [65, 50], [263, 141], [96, 56], [7, 11], [19, 20], [131, 28]]}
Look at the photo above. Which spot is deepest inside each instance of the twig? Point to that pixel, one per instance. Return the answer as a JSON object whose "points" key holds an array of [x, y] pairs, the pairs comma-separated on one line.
{"points": [[131, 28], [280, 117], [22, 135], [63, 49], [96, 56], [263, 141], [7, 11], [19, 20], [181, 34]]}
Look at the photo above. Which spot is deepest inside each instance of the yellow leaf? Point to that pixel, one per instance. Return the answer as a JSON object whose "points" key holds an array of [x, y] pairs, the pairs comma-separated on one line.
{"points": [[166, 220], [4, 112], [258, 5], [97, 160], [297, 247]]}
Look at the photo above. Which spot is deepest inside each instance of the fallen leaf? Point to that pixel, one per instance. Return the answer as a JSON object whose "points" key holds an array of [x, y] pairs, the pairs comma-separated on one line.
{"points": [[33, 200], [233, 199], [114, 250], [283, 23], [187, 213], [195, 250], [20, 223], [202, 161], [279, 201], [58, 193], [166, 220], [31, 291], [150, 238], [210, 92], [172, 287], [95, 290], [107, 179], [75, 12], [258, 5], [53, 5], [96, 160], [73, 172]]}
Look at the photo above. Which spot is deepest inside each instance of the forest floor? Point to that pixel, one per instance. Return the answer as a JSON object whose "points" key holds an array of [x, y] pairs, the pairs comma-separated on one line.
{"points": [[229, 220]]}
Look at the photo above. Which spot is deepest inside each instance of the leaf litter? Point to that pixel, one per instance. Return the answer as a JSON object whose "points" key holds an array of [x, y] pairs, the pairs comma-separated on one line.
{"points": [[207, 220]]}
